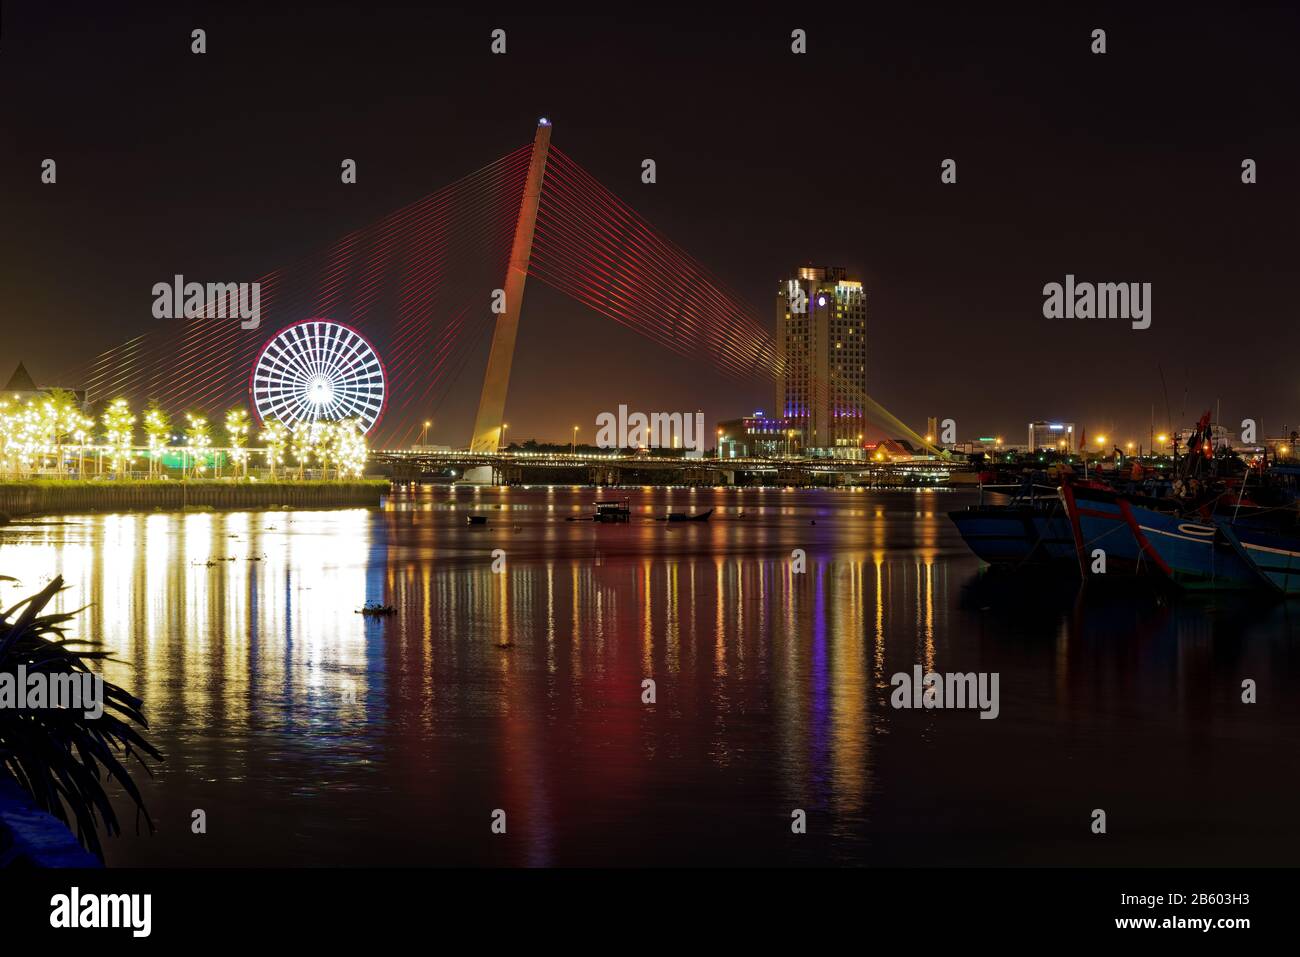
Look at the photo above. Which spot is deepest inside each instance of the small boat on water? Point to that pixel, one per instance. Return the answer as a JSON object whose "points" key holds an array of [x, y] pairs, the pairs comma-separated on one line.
{"points": [[616, 510], [687, 517], [476, 520]]}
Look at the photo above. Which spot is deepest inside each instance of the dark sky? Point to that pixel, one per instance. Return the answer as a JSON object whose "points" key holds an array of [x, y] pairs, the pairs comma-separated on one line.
{"points": [[1122, 167]]}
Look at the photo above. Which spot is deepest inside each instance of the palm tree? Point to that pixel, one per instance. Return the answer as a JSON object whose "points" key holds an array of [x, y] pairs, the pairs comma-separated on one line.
{"points": [[58, 755]]}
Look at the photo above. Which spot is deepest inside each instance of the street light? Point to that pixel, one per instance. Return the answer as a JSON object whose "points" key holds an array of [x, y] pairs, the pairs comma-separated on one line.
{"points": [[720, 438], [575, 440], [424, 433], [503, 447]]}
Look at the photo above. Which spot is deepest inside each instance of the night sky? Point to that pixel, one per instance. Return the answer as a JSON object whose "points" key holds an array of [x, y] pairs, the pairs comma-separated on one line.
{"points": [[1124, 167]]}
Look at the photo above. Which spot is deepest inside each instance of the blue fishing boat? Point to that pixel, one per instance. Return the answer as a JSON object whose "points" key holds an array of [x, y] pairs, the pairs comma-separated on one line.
{"points": [[1151, 536], [1029, 530]]}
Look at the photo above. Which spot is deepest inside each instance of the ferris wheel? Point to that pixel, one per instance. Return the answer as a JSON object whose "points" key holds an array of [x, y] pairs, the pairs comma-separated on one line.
{"points": [[317, 370]]}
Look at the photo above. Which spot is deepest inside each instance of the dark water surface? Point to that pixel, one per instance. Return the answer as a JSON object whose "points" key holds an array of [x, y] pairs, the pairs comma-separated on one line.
{"points": [[311, 735]]}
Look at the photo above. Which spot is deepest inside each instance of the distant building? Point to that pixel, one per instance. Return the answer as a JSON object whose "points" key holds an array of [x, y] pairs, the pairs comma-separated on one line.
{"points": [[1058, 436], [22, 388], [821, 343], [757, 436]]}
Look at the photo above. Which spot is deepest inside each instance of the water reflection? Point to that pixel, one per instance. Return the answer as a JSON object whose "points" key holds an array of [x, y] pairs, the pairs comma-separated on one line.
{"points": [[311, 734]]}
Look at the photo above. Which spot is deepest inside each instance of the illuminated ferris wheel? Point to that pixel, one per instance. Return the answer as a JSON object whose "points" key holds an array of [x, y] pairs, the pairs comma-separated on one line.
{"points": [[318, 370]]}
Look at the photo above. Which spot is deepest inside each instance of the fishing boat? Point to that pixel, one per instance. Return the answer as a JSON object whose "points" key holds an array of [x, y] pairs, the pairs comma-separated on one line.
{"points": [[475, 519], [687, 517], [1153, 536], [1031, 529], [1160, 528]]}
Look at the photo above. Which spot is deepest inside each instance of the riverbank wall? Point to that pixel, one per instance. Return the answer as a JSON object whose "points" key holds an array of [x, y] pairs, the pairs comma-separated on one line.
{"points": [[52, 498]]}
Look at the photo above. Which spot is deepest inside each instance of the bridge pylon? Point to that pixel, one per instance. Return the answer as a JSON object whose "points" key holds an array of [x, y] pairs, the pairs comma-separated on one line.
{"points": [[492, 402]]}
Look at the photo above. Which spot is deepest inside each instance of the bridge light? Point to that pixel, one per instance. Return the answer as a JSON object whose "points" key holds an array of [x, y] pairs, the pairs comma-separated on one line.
{"points": [[543, 122]]}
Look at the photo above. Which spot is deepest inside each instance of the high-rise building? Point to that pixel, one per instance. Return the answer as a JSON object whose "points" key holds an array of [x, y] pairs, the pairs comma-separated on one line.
{"points": [[821, 343]]}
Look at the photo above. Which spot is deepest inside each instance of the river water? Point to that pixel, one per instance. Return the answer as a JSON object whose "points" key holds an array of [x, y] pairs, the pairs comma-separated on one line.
{"points": [[510, 677]]}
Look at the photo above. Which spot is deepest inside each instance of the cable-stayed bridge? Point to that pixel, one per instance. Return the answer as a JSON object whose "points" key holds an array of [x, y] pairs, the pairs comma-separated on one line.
{"points": [[425, 284]]}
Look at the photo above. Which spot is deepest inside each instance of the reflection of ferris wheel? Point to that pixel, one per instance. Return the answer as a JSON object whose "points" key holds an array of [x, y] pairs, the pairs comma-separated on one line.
{"points": [[318, 370]]}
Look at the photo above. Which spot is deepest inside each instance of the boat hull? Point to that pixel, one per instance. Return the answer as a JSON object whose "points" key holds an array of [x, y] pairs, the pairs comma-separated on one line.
{"points": [[1016, 535], [1274, 555], [1198, 555]]}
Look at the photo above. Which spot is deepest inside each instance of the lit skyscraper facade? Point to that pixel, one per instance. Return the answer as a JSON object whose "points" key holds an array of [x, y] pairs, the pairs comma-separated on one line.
{"points": [[821, 385]]}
